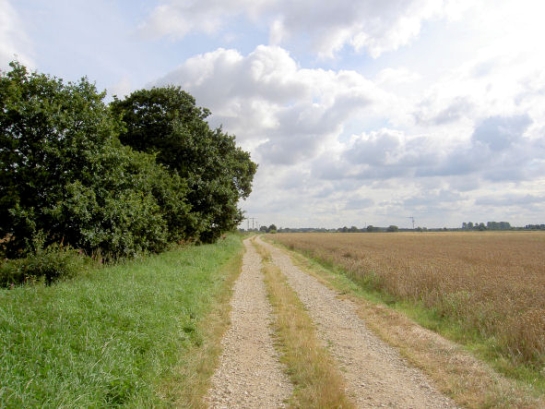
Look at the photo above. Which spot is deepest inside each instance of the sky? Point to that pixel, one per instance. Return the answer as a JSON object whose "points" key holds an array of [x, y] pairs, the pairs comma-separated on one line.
{"points": [[358, 112]]}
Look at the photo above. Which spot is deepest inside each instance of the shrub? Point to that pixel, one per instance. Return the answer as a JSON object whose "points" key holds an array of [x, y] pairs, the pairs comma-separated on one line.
{"points": [[51, 264]]}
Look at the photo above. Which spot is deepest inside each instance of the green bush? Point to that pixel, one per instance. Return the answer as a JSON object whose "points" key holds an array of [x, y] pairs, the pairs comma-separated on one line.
{"points": [[48, 265]]}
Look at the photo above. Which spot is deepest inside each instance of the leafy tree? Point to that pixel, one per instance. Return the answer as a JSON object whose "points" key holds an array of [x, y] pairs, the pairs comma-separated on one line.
{"points": [[498, 226], [166, 122], [272, 228], [392, 228], [535, 226], [505, 225], [65, 177]]}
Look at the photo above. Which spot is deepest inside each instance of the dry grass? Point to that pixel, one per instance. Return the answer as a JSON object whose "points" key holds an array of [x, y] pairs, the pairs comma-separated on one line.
{"points": [[487, 283], [318, 384]]}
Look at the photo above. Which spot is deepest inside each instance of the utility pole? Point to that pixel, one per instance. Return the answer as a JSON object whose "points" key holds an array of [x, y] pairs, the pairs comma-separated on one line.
{"points": [[412, 218]]}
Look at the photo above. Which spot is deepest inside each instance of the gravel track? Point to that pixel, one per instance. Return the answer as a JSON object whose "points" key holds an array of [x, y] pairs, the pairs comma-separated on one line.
{"points": [[375, 374], [250, 375]]}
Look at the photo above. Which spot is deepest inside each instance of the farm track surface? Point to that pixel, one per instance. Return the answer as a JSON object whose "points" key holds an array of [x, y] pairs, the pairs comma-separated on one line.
{"points": [[250, 375]]}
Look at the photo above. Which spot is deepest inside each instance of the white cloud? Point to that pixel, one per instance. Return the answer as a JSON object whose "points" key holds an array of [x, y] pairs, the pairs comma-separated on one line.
{"points": [[121, 89], [178, 18], [395, 76], [292, 113], [375, 26], [314, 133], [501, 133], [14, 42]]}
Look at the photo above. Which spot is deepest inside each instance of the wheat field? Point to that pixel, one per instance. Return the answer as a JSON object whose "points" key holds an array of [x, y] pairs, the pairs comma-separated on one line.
{"points": [[491, 284]]}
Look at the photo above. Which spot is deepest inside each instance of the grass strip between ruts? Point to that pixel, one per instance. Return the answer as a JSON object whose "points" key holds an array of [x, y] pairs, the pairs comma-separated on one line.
{"points": [[317, 381]]}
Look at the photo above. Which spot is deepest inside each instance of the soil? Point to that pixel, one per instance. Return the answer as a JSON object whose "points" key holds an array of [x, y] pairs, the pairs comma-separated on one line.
{"points": [[251, 376]]}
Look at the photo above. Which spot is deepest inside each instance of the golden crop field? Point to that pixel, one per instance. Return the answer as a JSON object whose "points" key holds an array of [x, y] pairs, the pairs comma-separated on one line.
{"points": [[492, 283]]}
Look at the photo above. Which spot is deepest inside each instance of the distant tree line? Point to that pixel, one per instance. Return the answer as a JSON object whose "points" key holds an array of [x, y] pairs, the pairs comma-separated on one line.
{"points": [[535, 227], [271, 229], [488, 226], [121, 178], [352, 229], [393, 228]]}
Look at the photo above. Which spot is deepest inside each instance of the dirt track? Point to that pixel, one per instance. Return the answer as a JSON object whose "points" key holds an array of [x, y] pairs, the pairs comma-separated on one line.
{"points": [[250, 376]]}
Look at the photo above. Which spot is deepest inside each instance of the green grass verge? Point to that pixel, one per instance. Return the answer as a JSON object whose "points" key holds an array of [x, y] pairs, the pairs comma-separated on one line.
{"points": [[112, 338]]}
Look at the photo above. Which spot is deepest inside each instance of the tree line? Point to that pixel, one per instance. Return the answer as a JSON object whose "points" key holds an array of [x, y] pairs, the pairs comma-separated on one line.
{"points": [[488, 226], [118, 178]]}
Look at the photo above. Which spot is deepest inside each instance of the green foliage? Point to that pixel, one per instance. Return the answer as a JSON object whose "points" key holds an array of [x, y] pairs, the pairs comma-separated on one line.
{"points": [[64, 172], [271, 229], [166, 122], [49, 136], [48, 265], [114, 211]]}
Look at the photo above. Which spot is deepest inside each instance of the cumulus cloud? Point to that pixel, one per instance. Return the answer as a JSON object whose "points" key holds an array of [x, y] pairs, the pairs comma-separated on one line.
{"points": [[497, 151], [178, 18], [371, 25], [442, 112], [377, 148], [435, 132], [510, 199], [299, 122], [499, 133], [288, 114]]}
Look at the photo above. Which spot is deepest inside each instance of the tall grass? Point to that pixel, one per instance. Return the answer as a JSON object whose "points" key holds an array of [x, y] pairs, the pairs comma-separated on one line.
{"points": [[487, 285], [111, 338]]}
